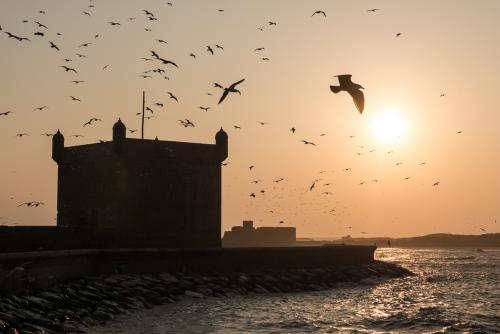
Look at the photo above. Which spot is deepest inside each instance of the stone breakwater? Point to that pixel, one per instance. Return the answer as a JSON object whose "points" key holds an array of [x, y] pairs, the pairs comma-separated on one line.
{"points": [[73, 307]]}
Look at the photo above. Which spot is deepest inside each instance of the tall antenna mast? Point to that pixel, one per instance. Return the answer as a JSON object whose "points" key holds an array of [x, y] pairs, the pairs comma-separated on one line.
{"points": [[143, 109]]}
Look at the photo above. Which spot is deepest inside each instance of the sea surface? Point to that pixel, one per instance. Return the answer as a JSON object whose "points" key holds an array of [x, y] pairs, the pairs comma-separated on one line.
{"points": [[454, 291]]}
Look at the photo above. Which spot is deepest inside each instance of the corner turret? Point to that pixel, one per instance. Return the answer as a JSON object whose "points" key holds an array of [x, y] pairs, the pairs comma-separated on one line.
{"points": [[119, 135], [221, 141], [57, 146]]}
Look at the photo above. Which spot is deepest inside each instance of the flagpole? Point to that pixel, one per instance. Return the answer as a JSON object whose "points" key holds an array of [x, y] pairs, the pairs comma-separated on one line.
{"points": [[143, 109]]}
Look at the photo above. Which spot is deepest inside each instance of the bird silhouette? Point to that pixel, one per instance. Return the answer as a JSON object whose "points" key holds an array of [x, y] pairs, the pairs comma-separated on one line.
{"points": [[132, 130], [38, 33], [237, 127], [5, 113], [75, 99], [90, 121], [308, 142], [186, 123], [84, 45], [47, 134], [209, 49], [114, 23], [40, 108], [53, 46], [251, 167], [373, 10], [164, 61], [272, 23], [252, 195], [352, 88], [436, 183], [105, 67], [262, 123], [20, 39], [20, 135], [77, 136], [172, 96], [219, 47], [292, 130], [68, 69], [77, 81], [230, 89], [319, 12], [81, 55], [398, 34], [204, 108], [86, 13], [192, 55], [259, 49]]}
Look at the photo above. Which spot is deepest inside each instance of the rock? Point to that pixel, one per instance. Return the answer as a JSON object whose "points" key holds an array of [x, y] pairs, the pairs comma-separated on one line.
{"points": [[9, 318], [194, 294], [3, 326], [100, 315]]}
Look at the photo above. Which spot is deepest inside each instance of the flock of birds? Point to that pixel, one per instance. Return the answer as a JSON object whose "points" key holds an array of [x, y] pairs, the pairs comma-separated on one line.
{"points": [[162, 64]]}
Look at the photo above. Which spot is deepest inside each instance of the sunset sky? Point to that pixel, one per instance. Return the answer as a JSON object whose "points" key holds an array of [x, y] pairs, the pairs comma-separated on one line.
{"points": [[445, 47]]}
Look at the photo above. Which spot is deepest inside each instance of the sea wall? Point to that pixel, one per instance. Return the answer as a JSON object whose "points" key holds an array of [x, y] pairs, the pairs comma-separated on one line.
{"points": [[74, 306], [41, 269]]}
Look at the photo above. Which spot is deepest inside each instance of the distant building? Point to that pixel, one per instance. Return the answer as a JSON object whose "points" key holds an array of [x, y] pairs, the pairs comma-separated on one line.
{"points": [[142, 192], [249, 236]]}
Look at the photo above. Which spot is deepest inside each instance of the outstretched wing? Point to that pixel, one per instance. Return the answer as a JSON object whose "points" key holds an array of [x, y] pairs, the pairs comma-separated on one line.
{"points": [[345, 79], [223, 96], [236, 83], [359, 99], [171, 62]]}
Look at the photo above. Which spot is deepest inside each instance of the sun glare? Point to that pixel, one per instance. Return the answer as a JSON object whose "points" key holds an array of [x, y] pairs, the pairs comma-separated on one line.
{"points": [[388, 125]]}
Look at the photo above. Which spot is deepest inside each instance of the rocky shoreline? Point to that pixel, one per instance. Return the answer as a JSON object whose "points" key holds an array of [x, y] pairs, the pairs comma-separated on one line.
{"points": [[75, 306]]}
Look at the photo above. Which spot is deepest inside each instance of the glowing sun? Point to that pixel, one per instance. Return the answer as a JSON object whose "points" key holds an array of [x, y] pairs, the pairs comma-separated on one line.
{"points": [[388, 125]]}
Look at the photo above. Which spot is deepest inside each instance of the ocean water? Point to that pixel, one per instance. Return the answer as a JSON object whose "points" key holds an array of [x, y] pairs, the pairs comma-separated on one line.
{"points": [[454, 291]]}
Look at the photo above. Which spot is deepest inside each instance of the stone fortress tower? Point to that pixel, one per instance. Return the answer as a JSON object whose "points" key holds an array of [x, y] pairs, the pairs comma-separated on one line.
{"points": [[142, 192]]}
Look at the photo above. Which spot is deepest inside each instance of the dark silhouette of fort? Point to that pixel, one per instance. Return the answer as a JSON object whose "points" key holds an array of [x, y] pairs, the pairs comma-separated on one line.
{"points": [[132, 193]]}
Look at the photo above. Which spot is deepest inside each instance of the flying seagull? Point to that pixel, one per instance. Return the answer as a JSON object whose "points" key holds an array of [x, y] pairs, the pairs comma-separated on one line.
{"points": [[230, 89], [53, 46], [20, 39], [67, 69], [172, 96], [93, 119], [319, 12], [352, 88], [164, 61]]}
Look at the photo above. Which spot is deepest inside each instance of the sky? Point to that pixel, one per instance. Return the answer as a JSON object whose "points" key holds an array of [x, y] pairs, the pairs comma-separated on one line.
{"points": [[374, 173]]}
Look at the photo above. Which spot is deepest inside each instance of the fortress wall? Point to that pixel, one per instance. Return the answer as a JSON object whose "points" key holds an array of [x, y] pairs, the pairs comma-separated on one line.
{"points": [[19, 271]]}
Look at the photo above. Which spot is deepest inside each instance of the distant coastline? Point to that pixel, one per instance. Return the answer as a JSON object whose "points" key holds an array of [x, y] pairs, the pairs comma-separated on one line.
{"points": [[438, 240]]}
